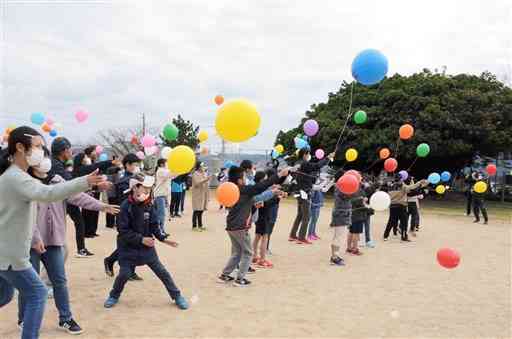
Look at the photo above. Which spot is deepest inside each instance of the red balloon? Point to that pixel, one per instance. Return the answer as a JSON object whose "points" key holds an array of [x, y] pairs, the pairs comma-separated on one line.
{"points": [[390, 165], [448, 258], [491, 169], [356, 174], [135, 140], [348, 184]]}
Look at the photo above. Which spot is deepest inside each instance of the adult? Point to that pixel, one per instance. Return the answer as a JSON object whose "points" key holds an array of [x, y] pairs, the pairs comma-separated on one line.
{"points": [[25, 149], [161, 191], [469, 182], [305, 179], [200, 180]]}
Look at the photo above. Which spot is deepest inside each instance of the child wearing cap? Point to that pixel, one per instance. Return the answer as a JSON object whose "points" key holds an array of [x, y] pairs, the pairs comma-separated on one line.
{"points": [[138, 227]]}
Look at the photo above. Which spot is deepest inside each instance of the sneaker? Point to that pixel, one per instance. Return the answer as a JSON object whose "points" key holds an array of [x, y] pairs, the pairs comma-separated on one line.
{"points": [[265, 264], [20, 325], [406, 240], [83, 254], [110, 302], [135, 277], [70, 326], [87, 253], [224, 278], [269, 252], [385, 239], [291, 239], [316, 237], [486, 222], [476, 221], [370, 244], [181, 303], [356, 252], [242, 282], [255, 260], [251, 270], [348, 250], [337, 261], [304, 242], [195, 229], [109, 268]]}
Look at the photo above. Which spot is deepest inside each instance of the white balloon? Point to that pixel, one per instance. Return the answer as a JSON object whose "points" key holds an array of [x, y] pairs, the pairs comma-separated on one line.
{"points": [[380, 201], [165, 152]]}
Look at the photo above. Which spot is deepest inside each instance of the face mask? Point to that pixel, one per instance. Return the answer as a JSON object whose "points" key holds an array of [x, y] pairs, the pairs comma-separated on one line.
{"points": [[136, 170], [253, 172], [142, 197], [45, 166], [35, 157], [308, 157], [87, 161]]}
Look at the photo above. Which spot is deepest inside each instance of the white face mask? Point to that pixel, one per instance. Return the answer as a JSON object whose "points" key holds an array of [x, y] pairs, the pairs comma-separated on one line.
{"points": [[87, 161], [35, 157], [45, 166], [136, 170], [142, 197], [308, 157]]}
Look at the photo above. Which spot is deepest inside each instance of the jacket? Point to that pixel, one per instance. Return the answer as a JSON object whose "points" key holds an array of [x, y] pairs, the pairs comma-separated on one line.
{"points": [[199, 191], [305, 178], [162, 180], [317, 199], [122, 185], [59, 168], [399, 197], [359, 210]]}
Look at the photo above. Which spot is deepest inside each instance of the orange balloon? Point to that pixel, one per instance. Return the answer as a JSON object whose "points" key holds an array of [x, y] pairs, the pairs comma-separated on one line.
{"points": [[204, 150], [406, 132], [228, 194], [219, 99], [46, 128], [384, 153]]}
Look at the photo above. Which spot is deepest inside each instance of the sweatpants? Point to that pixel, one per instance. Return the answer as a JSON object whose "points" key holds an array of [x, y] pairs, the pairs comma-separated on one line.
{"points": [[197, 219], [397, 213], [302, 219], [241, 253], [413, 214], [479, 205]]}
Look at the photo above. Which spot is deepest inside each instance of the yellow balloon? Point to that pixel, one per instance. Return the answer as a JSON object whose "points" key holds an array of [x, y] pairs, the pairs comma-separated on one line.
{"points": [[202, 136], [237, 120], [480, 187], [351, 154], [279, 149], [440, 189], [181, 160]]}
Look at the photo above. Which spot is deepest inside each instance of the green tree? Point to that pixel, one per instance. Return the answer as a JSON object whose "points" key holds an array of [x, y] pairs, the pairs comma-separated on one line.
{"points": [[187, 133]]}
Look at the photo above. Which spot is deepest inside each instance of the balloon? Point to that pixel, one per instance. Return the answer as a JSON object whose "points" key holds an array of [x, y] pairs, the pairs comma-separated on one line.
{"points": [[149, 150], [491, 169], [355, 173], [53, 133], [279, 149], [46, 128], [319, 154], [380, 201], [219, 99], [274, 154], [384, 153], [50, 121], [140, 155], [204, 150], [181, 160], [237, 120], [390, 165], [406, 132], [348, 184], [103, 157], [228, 164], [311, 127], [300, 143], [81, 116], [170, 132], [369, 67], [422, 150], [434, 178], [480, 187], [360, 117], [37, 118], [58, 126], [165, 152], [135, 140], [99, 149], [403, 175], [448, 258], [202, 136], [440, 189], [446, 176], [351, 155], [148, 141], [228, 194]]}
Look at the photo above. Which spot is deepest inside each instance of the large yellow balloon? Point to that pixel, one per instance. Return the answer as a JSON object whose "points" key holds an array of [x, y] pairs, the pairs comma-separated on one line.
{"points": [[440, 189], [202, 136], [181, 160], [279, 149], [351, 154], [480, 187], [237, 120]]}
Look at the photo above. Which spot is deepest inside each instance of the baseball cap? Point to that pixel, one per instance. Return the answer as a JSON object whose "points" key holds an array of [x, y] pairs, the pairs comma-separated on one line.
{"points": [[144, 180]]}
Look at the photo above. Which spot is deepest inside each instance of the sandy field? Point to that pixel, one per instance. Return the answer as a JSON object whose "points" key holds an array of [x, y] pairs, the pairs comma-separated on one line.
{"points": [[394, 290]]}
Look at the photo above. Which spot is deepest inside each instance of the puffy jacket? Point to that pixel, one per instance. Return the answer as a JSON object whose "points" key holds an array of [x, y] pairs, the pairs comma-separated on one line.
{"points": [[305, 178]]}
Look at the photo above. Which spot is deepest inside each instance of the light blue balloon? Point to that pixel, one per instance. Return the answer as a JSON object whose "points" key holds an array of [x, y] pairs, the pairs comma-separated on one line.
{"points": [[300, 143], [434, 178], [228, 164], [274, 154], [446, 176], [53, 133], [103, 157], [37, 118], [369, 67]]}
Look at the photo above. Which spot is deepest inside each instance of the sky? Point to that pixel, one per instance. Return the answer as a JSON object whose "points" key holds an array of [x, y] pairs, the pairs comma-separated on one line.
{"points": [[119, 59]]}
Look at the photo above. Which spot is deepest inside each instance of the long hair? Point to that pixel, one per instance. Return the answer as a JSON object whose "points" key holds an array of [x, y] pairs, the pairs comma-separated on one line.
{"points": [[77, 164], [21, 135]]}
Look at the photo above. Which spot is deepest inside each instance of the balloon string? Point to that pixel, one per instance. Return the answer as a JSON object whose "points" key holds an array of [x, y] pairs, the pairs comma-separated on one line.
{"points": [[412, 164], [373, 164], [397, 147], [348, 116]]}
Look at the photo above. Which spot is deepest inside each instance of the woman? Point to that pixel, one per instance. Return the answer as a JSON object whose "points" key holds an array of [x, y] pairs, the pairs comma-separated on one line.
{"points": [[161, 191], [199, 190], [25, 149]]}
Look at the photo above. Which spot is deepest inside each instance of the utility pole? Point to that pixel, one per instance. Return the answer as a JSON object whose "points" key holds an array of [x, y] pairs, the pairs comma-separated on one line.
{"points": [[223, 147], [143, 124]]}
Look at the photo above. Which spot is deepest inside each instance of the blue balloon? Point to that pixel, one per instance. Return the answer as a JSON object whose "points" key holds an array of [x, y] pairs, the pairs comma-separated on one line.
{"points": [[37, 118], [446, 176], [103, 157], [369, 67], [434, 178], [53, 133], [228, 164], [274, 154], [300, 143]]}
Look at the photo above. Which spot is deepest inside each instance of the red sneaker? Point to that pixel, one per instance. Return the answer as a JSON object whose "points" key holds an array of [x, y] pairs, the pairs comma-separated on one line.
{"points": [[293, 239], [265, 264], [356, 252], [255, 260], [349, 250]]}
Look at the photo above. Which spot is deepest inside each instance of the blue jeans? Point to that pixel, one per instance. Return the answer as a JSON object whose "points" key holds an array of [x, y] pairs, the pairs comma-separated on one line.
{"points": [[160, 203], [30, 287], [315, 213], [366, 225], [53, 261]]}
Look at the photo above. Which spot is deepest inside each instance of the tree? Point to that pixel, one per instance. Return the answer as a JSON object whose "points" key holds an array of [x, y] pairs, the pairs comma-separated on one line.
{"points": [[187, 134], [457, 116]]}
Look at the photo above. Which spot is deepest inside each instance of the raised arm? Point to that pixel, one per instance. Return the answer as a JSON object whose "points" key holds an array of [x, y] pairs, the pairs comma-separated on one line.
{"points": [[33, 190]]}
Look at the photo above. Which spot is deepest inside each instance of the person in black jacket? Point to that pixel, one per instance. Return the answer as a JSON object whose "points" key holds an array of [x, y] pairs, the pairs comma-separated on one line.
{"points": [[305, 179], [138, 228]]}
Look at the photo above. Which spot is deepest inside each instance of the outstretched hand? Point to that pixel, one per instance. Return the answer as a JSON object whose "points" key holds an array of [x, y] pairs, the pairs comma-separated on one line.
{"points": [[110, 209], [95, 179]]}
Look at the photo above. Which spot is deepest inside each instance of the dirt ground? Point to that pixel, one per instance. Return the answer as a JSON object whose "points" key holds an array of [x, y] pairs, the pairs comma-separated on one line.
{"points": [[394, 290]]}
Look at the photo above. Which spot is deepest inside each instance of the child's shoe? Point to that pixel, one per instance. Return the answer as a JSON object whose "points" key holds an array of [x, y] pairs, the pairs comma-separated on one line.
{"points": [[181, 302], [291, 239], [242, 282], [224, 278], [356, 251], [316, 237], [110, 302], [251, 270], [255, 260], [370, 244], [337, 261]]}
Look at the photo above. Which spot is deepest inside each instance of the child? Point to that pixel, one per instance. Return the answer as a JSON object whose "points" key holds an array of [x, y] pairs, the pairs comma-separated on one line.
{"points": [[138, 227], [341, 218], [412, 207], [238, 223], [322, 185], [360, 213], [479, 203], [368, 189]]}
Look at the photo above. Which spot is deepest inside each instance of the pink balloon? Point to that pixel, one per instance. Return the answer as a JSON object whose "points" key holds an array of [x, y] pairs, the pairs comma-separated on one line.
{"points": [[319, 154], [99, 149], [151, 150], [50, 121], [140, 155], [311, 127], [81, 116], [148, 141]]}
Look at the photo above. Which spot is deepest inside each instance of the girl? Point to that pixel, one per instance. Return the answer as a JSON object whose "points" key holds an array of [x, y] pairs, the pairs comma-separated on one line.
{"points": [[25, 149], [138, 227], [199, 190], [360, 212], [322, 185], [163, 179], [341, 218]]}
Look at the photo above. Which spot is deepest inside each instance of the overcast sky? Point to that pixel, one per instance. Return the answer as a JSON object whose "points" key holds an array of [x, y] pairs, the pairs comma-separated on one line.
{"points": [[118, 59]]}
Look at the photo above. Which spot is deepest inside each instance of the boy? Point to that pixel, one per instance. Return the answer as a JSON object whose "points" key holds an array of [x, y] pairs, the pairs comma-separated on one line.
{"points": [[360, 212], [238, 223], [341, 218], [138, 228], [479, 203]]}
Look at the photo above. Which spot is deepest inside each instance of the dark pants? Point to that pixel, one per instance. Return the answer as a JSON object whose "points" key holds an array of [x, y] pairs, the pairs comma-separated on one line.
{"points": [[479, 205], [75, 215], [113, 258], [273, 219], [111, 218], [367, 233], [397, 213], [127, 270], [175, 203], [302, 219], [197, 219], [469, 202], [182, 201], [413, 213], [91, 219]]}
